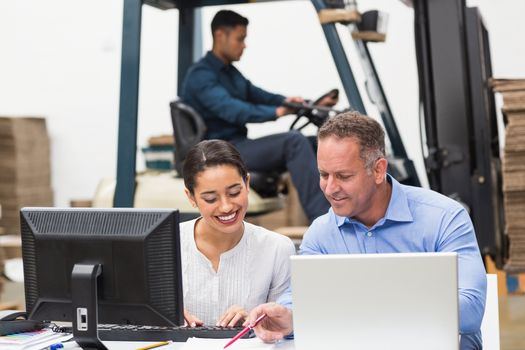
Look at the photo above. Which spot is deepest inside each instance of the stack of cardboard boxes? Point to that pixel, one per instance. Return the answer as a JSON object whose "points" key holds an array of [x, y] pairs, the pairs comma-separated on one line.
{"points": [[2, 258], [513, 92], [25, 171], [2, 230]]}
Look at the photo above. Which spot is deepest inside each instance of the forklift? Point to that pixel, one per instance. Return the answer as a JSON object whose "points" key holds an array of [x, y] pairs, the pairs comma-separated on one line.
{"points": [[457, 106]]}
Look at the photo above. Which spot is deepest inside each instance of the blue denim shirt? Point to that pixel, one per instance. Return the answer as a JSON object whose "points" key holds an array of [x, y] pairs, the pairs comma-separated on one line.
{"points": [[225, 99], [416, 220]]}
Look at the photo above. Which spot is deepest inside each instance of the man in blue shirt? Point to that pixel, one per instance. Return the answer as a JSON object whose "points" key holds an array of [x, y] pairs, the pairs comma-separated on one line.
{"points": [[373, 213], [227, 101]]}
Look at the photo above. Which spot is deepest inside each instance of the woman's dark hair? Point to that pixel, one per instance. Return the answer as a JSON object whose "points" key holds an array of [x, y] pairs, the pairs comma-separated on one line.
{"points": [[227, 19], [210, 153]]}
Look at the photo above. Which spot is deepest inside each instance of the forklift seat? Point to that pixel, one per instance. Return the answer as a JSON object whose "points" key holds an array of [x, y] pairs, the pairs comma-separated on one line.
{"points": [[189, 129], [163, 190]]}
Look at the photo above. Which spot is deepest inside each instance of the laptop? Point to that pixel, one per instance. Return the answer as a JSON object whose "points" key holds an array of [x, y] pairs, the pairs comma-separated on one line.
{"points": [[375, 301]]}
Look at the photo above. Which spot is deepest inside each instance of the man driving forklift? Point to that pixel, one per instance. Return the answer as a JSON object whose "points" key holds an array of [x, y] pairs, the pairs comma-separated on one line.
{"points": [[227, 101]]}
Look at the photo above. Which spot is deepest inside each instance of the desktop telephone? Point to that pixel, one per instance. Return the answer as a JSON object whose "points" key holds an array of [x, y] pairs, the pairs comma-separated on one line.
{"points": [[17, 323]]}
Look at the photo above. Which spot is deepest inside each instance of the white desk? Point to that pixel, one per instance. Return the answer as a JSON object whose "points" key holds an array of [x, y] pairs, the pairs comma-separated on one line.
{"points": [[121, 345], [128, 345]]}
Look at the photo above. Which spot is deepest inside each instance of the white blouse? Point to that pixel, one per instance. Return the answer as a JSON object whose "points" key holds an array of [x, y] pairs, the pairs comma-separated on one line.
{"points": [[255, 271]]}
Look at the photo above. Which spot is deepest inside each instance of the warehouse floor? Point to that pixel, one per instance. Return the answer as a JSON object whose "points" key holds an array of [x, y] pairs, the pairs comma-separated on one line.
{"points": [[512, 322]]}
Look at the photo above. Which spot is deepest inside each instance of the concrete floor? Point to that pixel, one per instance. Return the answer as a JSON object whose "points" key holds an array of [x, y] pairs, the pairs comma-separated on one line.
{"points": [[512, 322], [511, 315]]}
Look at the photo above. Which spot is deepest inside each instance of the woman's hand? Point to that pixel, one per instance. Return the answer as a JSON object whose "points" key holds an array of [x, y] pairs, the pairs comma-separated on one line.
{"points": [[235, 315], [191, 320]]}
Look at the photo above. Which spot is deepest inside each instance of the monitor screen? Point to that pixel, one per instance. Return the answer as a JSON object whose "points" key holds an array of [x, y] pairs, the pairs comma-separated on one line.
{"points": [[137, 250]]}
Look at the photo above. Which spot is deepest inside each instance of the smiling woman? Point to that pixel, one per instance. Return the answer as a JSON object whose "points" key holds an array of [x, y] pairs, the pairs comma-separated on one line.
{"points": [[229, 266]]}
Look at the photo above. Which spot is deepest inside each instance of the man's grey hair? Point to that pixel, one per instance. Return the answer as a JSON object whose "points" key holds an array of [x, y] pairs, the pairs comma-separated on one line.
{"points": [[366, 131]]}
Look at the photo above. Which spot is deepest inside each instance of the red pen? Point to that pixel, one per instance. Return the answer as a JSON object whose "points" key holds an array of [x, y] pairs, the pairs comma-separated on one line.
{"points": [[245, 330]]}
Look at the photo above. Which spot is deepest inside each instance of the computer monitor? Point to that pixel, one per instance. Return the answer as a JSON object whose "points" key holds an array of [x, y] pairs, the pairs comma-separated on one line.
{"points": [[90, 265]]}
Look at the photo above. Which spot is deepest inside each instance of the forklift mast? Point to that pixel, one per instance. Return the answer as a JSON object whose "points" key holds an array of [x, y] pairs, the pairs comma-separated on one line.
{"points": [[458, 108], [463, 161]]}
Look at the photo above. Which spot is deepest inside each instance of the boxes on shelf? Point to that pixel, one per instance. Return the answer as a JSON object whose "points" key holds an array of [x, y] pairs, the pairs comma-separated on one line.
{"points": [[25, 168], [159, 155]]}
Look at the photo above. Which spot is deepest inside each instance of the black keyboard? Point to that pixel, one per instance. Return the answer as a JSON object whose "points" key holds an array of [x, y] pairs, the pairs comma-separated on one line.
{"points": [[158, 333]]}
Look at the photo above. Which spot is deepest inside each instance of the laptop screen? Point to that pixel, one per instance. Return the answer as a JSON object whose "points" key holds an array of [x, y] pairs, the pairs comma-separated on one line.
{"points": [[375, 301]]}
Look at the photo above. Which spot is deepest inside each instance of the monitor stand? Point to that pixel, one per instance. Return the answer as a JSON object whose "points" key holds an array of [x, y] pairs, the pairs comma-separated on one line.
{"points": [[84, 300]]}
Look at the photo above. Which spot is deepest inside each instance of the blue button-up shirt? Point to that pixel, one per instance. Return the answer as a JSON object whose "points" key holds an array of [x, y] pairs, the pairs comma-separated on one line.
{"points": [[225, 99], [416, 220]]}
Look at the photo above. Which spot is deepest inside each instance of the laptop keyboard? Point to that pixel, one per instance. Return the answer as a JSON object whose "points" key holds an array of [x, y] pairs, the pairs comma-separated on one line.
{"points": [[159, 333]]}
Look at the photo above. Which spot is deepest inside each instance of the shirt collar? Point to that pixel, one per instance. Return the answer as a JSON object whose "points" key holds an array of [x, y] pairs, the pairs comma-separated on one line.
{"points": [[397, 210], [215, 62], [339, 220]]}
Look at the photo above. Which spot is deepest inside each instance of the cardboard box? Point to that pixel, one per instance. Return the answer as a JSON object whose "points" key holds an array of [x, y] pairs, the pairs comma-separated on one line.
{"points": [[25, 168]]}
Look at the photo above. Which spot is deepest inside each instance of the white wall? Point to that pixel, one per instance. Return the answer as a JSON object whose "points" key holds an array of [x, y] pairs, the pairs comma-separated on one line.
{"points": [[61, 59]]}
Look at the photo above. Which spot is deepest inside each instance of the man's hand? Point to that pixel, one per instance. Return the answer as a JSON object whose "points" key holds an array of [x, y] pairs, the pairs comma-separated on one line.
{"points": [[277, 324], [234, 315], [191, 320], [281, 110]]}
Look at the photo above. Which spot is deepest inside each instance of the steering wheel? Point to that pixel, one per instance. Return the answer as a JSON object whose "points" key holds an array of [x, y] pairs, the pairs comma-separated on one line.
{"points": [[314, 113]]}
